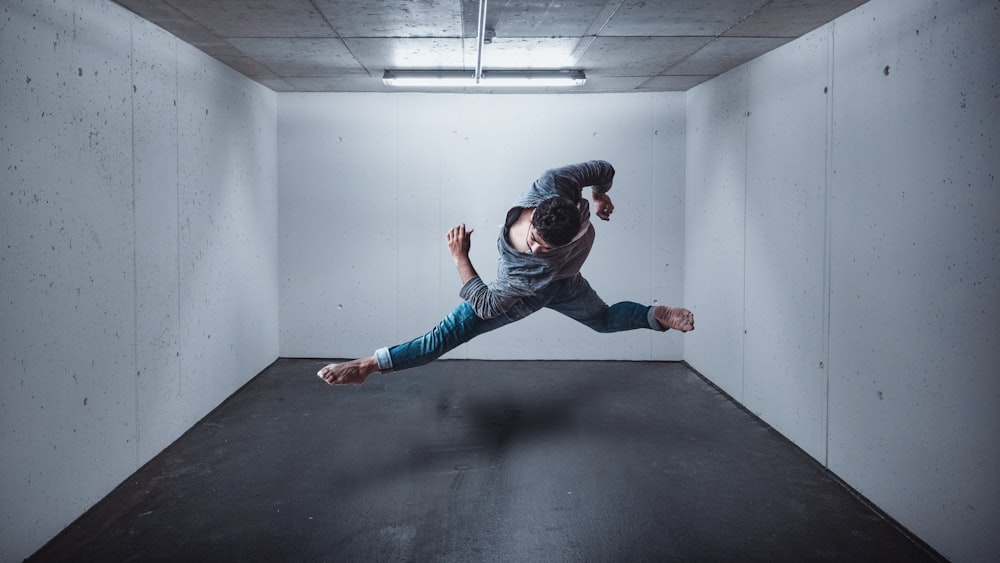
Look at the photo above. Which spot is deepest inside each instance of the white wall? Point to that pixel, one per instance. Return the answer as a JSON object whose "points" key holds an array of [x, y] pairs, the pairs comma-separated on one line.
{"points": [[840, 245], [715, 222], [138, 269], [842, 252], [371, 183]]}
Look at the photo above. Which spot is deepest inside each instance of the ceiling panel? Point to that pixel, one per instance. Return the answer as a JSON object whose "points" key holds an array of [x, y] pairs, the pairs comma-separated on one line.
{"points": [[726, 53], [301, 56], [256, 18], [410, 52], [395, 18], [542, 19], [528, 52], [638, 56], [791, 18], [622, 45], [702, 18]]}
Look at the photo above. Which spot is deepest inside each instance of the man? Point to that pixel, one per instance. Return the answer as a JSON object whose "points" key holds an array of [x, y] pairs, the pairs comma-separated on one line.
{"points": [[543, 244]]}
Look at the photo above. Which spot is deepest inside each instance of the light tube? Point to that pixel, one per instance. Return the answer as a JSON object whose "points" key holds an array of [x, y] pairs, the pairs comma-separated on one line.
{"points": [[490, 79]]}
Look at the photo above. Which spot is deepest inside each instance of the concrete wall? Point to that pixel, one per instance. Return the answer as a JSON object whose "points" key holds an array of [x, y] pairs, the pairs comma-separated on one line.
{"points": [[371, 183], [830, 208], [842, 247], [138, 269]]}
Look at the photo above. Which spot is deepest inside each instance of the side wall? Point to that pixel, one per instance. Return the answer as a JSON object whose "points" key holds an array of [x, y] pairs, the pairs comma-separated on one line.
{"points": [[371, 183], [138, 270], [842, 247]]}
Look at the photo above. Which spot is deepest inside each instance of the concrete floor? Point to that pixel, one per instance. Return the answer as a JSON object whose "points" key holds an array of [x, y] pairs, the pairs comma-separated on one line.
{"points": [[483, 461]]}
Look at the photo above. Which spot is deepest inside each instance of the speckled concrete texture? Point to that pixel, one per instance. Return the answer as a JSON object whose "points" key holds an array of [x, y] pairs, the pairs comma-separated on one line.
{"points": [[841, 240], [138, 269]]}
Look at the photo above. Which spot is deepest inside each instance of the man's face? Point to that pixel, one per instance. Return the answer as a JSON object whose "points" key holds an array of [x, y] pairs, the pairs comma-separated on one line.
{"points": [[535, 243]]}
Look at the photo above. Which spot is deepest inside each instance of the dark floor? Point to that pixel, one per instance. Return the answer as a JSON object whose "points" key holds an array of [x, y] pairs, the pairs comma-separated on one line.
{"points": [[483, 461]]}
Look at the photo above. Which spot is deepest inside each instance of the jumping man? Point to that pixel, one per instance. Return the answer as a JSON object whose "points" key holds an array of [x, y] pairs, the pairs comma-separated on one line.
{"points": [[543, 244]]}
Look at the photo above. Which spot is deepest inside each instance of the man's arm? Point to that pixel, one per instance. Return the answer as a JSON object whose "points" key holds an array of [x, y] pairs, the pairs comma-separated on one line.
{"points": [[459, 243], [486, 301], [570, 180]]}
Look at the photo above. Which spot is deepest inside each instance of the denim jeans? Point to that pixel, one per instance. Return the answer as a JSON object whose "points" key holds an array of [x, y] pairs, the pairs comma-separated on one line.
{"points": [[572, 297]]}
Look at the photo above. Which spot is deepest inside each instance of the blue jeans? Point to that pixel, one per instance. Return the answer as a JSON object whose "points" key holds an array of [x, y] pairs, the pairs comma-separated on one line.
{"points": [[572, 297]]}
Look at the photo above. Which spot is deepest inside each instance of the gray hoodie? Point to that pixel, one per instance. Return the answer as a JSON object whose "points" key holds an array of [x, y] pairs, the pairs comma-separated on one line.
{"points": [[521, 274]]}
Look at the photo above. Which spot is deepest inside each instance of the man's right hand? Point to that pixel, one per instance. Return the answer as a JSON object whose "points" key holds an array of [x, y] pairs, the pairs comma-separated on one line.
{"points": [[603, 207], [459, 242]]}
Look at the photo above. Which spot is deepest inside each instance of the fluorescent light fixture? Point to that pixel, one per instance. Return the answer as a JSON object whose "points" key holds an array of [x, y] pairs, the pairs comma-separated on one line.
{"points": [[489, 78]]}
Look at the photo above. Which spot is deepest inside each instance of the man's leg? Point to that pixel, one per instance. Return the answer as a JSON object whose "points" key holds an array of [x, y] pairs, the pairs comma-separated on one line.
{"points": [[577, 300], [458, 327]]}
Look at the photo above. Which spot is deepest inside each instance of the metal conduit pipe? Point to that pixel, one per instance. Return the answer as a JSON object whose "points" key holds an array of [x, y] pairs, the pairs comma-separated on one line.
{"points": [[480, 38]]}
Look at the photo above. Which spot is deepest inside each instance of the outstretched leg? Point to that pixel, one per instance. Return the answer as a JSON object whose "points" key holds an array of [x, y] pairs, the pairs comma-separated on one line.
{"points": [[676, 318], [575, 298], [458, 327]]}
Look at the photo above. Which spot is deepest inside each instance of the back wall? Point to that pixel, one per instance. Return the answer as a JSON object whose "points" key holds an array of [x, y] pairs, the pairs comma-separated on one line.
{"points": [[369, 184]]}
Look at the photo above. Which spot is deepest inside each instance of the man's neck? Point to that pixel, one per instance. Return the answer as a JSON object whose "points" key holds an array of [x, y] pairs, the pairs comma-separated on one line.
{"points": [[517, 234]]}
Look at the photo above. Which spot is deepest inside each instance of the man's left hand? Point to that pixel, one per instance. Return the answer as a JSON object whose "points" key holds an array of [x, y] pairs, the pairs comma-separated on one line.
{"points": [[603, 207], [459, 243]]}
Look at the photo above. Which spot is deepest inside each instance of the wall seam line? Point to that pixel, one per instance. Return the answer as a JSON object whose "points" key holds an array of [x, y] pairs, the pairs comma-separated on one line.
{"points": [[746, 212], [399, 274], [135, 249], [177, 211], [827, 242], [652, 227]]}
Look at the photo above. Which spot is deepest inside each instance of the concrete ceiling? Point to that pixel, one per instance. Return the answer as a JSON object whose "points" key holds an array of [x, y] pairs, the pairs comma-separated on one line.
{"points": [[622, 45]]}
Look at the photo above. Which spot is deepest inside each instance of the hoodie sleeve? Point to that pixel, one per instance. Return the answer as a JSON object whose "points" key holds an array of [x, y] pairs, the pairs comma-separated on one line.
{"points": [[490, 301], [569, 181]]}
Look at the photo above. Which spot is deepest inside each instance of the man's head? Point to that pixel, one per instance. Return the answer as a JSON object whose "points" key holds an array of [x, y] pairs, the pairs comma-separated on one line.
{"points": [[556, 221]]}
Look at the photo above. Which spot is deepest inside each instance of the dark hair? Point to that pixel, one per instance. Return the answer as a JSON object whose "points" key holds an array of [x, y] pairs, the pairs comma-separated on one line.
{"points": [[557, 220]]}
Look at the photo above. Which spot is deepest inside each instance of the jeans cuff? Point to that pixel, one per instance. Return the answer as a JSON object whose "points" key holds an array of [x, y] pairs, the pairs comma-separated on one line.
{"points": [[653, 323], [384, 361]]}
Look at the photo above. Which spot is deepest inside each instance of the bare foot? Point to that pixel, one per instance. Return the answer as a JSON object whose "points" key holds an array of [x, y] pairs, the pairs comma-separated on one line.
{"points": [[676, 318], [354, 372]]}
